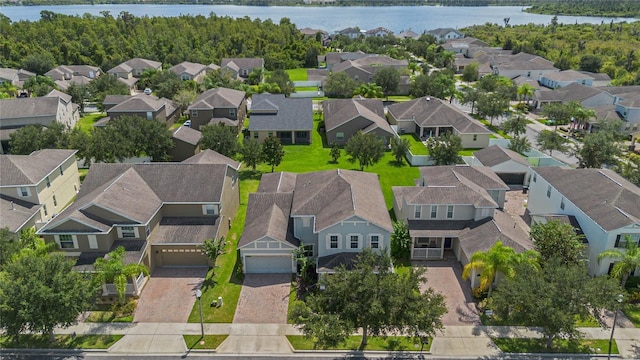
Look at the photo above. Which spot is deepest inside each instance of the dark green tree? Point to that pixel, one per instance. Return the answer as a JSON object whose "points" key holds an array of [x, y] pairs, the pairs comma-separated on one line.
{"points": [[39, 63], [30, 138], [515, 124], [220, 138], [558, 240], [519, 144], [79, 94], [367, 149], [339, 85], [591, 63], [626, 261], [399, 148], [106, 85], [598, 149], [281, 78], [548, 140], [39, 85], [400, 241], [470, 72], [335, 153], [389, 79], [492, 105], [272, 151], [440, 84], [252, 154], [444, 149]]}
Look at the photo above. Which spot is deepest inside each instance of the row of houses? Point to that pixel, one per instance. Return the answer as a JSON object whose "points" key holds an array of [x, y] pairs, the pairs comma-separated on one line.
{"points": [[441, 34]]}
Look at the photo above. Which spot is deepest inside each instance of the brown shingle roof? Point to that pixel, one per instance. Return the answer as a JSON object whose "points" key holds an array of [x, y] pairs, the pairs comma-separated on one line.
{"points": [[339, 112], [494, 155], [31, 169], [14, 213], [268, 216], [450, 174], [187, 67], [209, 156], [218, 98], [187, 134], [185, 230]]}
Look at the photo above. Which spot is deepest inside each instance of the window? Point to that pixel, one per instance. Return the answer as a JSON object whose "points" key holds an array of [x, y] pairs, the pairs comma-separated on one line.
{"points": [[209, 209], [374, 241], [148, 230], [333, 242], [354, 241], [24, 192], [535, 177], [232, 112], [339, 136], [234, 178], [48, 182], [449, 211], [93, 241], [194, 112], [255, 135], [66, 242], [549, 191], [308, 250], [128, 232], [44, 208], [270, 133], [61, 171], [475, 137], [55, 202], [418, 212], [434, 211], [562, 204], [306, 222], [149, 115]]}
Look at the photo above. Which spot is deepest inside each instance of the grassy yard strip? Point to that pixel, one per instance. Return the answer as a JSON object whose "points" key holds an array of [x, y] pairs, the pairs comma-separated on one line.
{"points": [[299, 74], [495, 129], [467, 152], [108, 316], [400, 98], [306, 88], [375, 343], [293, 296], [226, 280], [416, 146], [61, 342], [564, 346], [86, 122], [210, 341], [632, 312]]}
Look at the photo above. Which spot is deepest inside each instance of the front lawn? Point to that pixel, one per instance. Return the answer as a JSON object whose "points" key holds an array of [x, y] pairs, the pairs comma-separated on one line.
{"points": [[583, 346], [210, 341], [61, 342], [86, 122], [108, 316], [375, 343], [416, 146], [299, 74], [632, 312], [467, 152]]}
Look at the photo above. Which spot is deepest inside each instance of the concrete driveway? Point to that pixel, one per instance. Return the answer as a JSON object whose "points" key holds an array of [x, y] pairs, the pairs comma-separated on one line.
{"points": [[264, 299], [446, 277], [169, 295]]}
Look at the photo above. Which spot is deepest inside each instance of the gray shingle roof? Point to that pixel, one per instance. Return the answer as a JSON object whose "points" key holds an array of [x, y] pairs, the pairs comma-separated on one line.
{"points": [[330, 263], [444, 31], [15, 212], [31, 169], [187, 134], [187, 67], [243, 63], [280, 182], [136, 63], [567, 75], [183, 230], [290, 113], [28, 107], [268, 216], [138, 103], [607, 198], [494, 155], [209, 156], [571, 92], [448, 175], [431, 111], [218, 98], [339, 112]]}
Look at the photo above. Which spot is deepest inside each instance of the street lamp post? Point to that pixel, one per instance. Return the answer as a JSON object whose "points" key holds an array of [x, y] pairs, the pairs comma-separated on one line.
{"points": [[199, 296], [613, 328]]}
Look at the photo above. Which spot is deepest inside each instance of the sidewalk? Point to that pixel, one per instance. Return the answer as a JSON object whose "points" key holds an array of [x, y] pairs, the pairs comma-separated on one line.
{"points": [[166, 338]]}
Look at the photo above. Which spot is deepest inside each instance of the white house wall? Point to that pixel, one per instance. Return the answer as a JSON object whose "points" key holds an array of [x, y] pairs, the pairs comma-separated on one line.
{"points": [[481, 142]]}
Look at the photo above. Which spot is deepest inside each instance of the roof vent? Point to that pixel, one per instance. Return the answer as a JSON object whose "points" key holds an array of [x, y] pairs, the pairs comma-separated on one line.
{"points": [[428, 98]]}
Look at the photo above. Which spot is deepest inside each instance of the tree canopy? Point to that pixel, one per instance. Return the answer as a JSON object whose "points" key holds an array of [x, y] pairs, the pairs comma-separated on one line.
{"points": [[367, 149], [444, 150], [558, 240], [272, 151], [220, 138]]}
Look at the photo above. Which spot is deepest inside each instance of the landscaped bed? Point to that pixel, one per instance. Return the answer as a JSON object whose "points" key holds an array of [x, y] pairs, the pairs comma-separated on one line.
{"points": [[632, 312], [562, 346], [389, 343], [210, 341], [61, 342]]}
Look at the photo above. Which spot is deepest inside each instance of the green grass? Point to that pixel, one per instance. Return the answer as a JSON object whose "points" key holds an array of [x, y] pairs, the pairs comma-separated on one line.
{"points": [[299, 74], [389, 343], [583, 346], [61, 342], [86, 122], [210, 341], [588, 322], [416, 146], [467, 152], [632, 311], [83, 174], [292, 297], [108, 316], [306, 88], [493, 128], [400, 98]]}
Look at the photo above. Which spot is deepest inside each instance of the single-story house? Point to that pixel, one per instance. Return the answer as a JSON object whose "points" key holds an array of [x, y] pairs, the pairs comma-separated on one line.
{"points": [[345, 117], [288, 119]]}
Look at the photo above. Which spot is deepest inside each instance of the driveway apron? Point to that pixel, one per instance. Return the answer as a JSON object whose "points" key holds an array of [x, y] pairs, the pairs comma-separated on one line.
{"points": [[264, 299]]}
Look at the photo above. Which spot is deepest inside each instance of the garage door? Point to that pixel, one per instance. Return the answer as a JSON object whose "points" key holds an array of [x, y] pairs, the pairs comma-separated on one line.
{"points": [[181, 257], [513, 178], [267, 264]]}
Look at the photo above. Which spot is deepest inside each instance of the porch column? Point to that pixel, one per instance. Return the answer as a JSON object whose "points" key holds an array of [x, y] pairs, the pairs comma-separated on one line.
{"points": [[438, 131], [413, 244], [421, 132], [293, 137], [442, 248]]}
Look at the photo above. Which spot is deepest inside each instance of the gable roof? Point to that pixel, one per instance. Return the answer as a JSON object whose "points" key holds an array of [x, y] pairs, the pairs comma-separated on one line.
{"points": [[431, 111], [444, 31], [139, 103], [209, 156], [268, 216], [567, 75], [187, 134], [339, 112], [187, 67], [409, 34], [571, 92], [243, 63], [135, 64], [494, 155], [218, 98], [14, 74], [450, 174], [20, 170], [280, 113], [607, 198], [16, 108], [72, 70], [16, 212]]}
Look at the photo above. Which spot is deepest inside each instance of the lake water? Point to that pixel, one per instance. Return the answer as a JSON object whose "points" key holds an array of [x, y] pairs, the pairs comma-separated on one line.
{"points": [[395, 18]]}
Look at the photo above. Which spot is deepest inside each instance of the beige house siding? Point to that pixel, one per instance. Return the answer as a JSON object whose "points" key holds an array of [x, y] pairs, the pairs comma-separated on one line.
{"points": [[182, 210], [16, 193], [482, 140], [202, 117], [159, 115], [230, 201]]}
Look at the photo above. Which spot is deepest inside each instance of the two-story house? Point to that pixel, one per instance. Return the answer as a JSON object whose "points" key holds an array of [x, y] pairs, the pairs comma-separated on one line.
{"points": [[605, 205], [65, 75], [457, 209], [431, 117], [363, 69], [288, 119], [444, 34], [241, 67], [144, 106], [343, 118], [191, 71], [160, 212], [218, 106], [15, 77], [563, 78], [335, 214], [35, 188], [129, 71]]}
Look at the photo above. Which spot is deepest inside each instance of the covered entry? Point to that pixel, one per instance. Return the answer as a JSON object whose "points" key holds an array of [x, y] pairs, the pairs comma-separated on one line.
{"points": [[267, 264]]}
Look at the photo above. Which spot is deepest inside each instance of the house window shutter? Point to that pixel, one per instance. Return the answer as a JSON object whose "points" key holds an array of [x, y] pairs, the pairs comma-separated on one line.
{"points": [[618, 240]]}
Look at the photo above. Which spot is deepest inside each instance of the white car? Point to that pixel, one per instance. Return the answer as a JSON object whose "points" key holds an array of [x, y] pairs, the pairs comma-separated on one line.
{"points": [[147, 91], [187, 123]]}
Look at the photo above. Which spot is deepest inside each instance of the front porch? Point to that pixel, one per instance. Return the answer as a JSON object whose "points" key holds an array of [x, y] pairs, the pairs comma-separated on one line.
{"points": [[430, 248]]}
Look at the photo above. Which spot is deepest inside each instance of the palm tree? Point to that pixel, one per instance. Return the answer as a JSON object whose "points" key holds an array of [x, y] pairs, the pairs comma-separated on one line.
{"points": [[628, 259], [112, 268], [498, 258], [525, 91]]}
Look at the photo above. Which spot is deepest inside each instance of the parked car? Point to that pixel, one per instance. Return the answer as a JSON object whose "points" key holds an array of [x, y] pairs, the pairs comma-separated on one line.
{"points": [[147, 91], [187, 123]]}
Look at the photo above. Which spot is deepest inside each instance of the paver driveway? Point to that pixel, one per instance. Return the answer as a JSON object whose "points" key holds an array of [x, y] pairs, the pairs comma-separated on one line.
{"points": [[264, 299], [169, 295], [446, 277]]}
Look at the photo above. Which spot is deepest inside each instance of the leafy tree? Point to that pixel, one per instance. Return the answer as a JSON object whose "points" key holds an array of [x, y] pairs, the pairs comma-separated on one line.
{"points": [[628, 260], [400, 241], [304, 261], [591, 63], [39, 293], [598, 149], [166, 84], [548, 140], [79, 94], [140, 136], [212, 248], [470, 96], [519, 144], [281, 78], [553, 298], [470, 72], [335, 153], [252, 153], [371, 297], [39, 85], [558, 240], [184, 98], [492, 104], [440, 84], [219, 138], [272, 151], [444, 149], [525, 92], [369, 91], [8, 90], [389, 79], [367, 149], [106, 85], [580, 115], [311, 57], [516, 124], [112, 269], [39, 63], [30, 138], [630, 169], [221, 78], [9, 245], [558, 112], [255, 77], [498, 258], [339, 85], [399, 148]]}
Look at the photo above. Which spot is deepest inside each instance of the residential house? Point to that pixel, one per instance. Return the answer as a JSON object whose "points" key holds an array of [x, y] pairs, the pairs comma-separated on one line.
{"points": [[145, 106], [408, 34], [510, 166], [190, 71], [218, 106], [288, 119], [242, 67], [161, 213], [19, 112], [464, 45], [588, 96], [65, 75], [15, 77], [334, 58], [35, 188], [364, 69], [350, 32], [378, 32], [563, 78], [335, 214], [186, 143], [521, 64], [457, 209], [444, 34], [627, 104], [129, 71], [312, 33], [605, 205], [429, 116], [344, 118]]}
